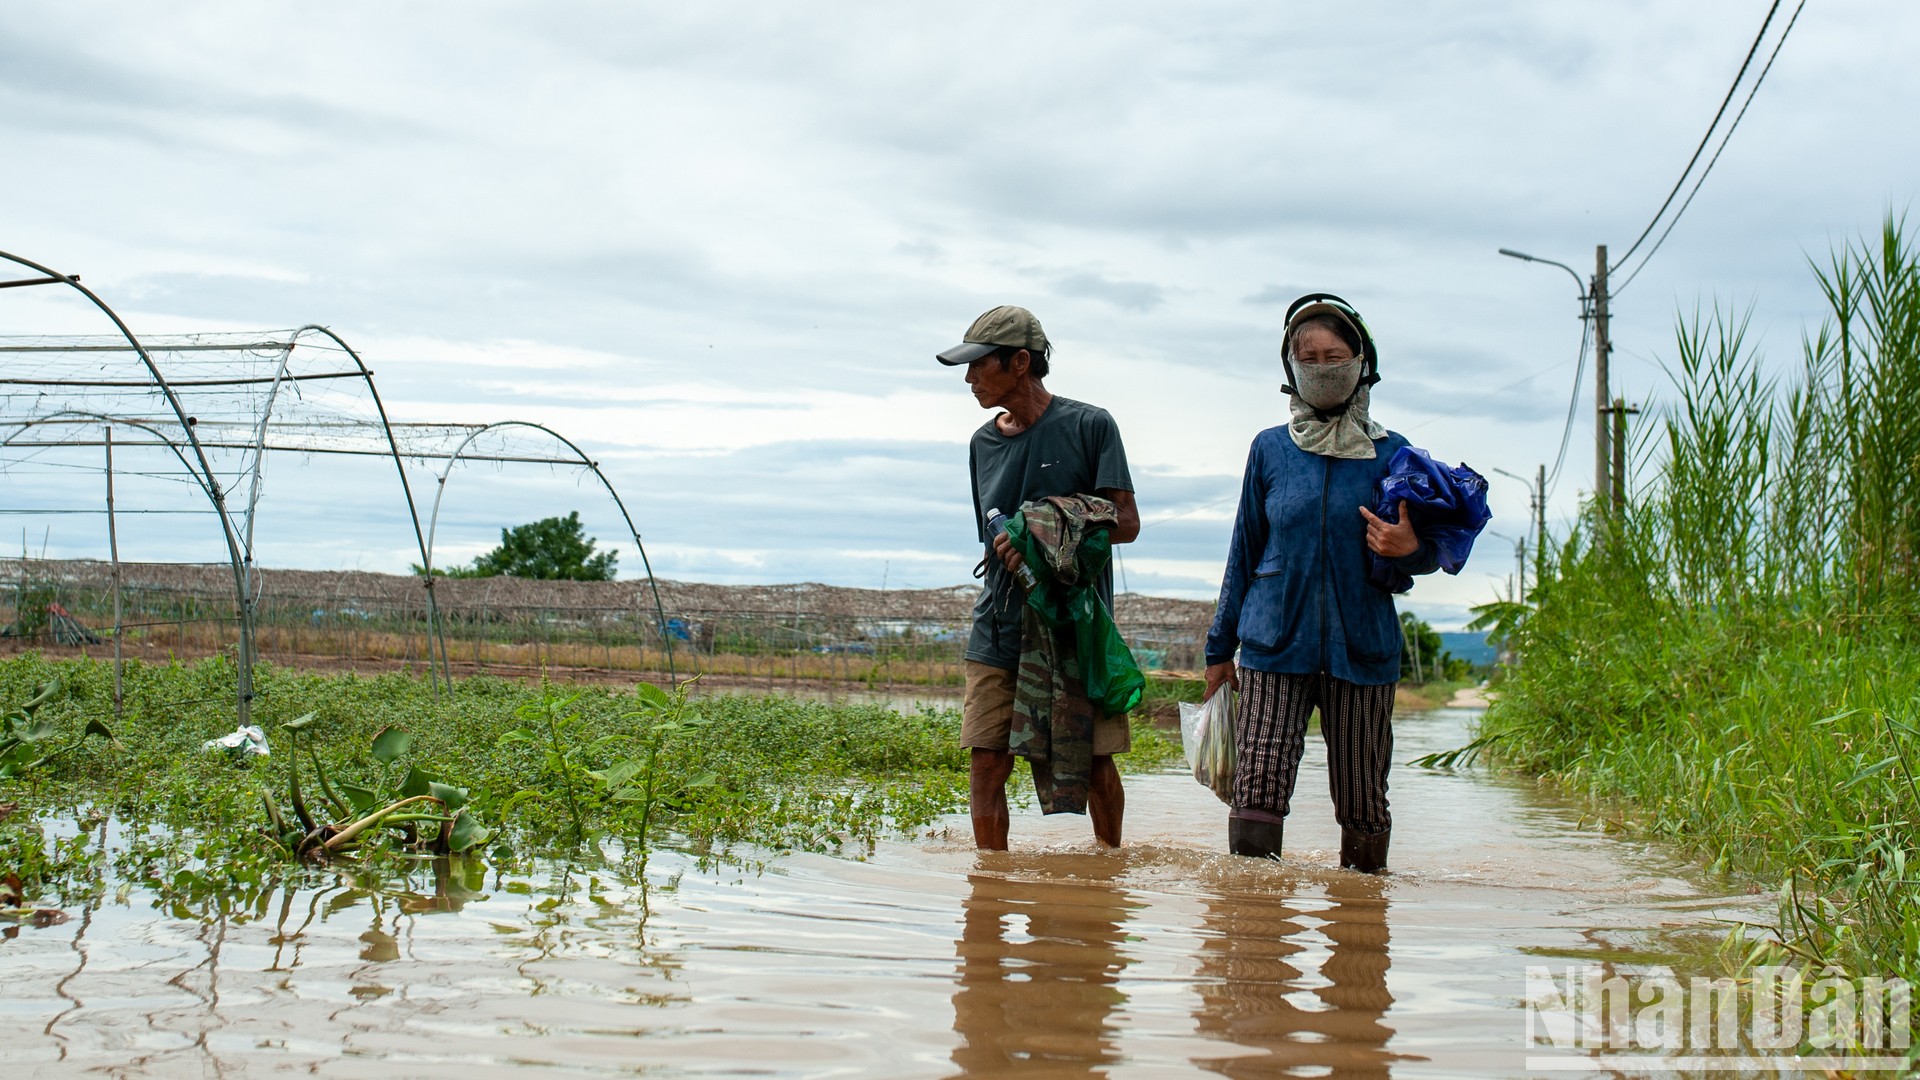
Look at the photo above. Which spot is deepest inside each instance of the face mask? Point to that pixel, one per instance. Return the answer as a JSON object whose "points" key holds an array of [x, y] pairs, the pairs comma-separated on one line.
{"points": [[1327, 386]]}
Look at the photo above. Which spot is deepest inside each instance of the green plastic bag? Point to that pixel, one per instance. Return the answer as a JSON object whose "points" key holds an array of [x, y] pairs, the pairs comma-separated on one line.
{"points": [[1107, 668]]}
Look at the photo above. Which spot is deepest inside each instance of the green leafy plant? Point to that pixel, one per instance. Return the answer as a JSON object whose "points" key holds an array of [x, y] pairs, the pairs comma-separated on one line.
{"points": [[663, 718], [22, 734], [1726, 661], [419, 812], [559, 730]]}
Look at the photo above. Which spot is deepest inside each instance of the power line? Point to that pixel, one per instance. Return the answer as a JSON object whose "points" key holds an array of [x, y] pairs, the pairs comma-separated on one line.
{"points": [[1762, 77], [1573, 409], [1145, 525], [1705, 138]]}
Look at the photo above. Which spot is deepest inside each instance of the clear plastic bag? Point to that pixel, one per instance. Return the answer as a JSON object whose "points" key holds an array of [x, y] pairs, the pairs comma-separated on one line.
{"points": [[1206, 733]]}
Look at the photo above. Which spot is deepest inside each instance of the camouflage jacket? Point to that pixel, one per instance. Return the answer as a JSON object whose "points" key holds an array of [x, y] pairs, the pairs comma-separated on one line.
{"points": [[1073, 665]]}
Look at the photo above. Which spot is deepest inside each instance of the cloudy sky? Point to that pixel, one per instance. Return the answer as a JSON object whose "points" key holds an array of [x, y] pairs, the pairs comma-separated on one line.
{"points": [[716, 245]]}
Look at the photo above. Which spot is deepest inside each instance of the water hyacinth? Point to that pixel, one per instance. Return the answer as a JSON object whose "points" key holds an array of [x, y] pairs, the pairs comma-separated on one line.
{"points": [[366, 767]]}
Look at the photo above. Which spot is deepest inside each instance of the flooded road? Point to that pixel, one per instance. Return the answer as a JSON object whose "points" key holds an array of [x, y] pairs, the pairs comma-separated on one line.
{"points": [[924, 959]]}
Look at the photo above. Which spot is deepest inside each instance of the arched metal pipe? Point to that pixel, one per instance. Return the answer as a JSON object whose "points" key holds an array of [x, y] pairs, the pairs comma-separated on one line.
{"points": [[433, 525], [103, 418], [406, 489], [209, 483], [107, 422]]}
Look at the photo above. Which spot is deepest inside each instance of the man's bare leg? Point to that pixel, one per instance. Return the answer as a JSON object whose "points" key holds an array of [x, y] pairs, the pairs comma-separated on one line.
{"points": [[987, 796], [1106, 800]]}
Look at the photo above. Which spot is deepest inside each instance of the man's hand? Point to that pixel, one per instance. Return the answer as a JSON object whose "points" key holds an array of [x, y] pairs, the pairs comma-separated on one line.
{"points": [[1390, 541], [1218, 675], [1003, 547]]}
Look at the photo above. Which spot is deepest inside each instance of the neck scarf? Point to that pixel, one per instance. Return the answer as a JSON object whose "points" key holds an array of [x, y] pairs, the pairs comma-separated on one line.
{"points": [[1347, 434]]}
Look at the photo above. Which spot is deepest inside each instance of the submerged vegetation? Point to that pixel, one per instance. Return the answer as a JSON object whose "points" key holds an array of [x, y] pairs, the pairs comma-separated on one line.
{"points": [[362, 768], [1728, 659]]}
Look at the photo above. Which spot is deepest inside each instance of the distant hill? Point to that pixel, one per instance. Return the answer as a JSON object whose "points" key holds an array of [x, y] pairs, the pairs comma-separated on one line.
{"points": [[1468, 645]]}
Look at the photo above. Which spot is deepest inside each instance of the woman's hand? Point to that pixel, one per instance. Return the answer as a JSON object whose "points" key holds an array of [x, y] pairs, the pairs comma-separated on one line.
{"points": [[1390, 541], [1218, 675]]}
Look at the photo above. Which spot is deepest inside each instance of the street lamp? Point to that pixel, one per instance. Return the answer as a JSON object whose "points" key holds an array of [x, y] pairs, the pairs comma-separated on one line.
{"points": [[1593, 305], [1577, 282], [1518, 595], [1536, 502]]}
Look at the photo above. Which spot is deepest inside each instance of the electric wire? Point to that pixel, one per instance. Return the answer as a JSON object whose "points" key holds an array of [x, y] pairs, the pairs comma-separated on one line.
{"points": [[1573, 407], [1189, 511], [1678, 214], [1752, 50]]}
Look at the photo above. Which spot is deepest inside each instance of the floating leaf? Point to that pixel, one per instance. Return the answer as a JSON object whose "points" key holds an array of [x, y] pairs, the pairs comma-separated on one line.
{"points": [[364, 799], [47, 690], [453, 798], [418, 782], [467, 832], [390, 745]]}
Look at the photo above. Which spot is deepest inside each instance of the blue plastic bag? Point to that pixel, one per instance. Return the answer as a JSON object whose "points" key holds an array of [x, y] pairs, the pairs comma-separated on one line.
{"points": [[1448, 507]]}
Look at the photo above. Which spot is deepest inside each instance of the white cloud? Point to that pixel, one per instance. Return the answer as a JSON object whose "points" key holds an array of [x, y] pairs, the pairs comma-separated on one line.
{"points": [[700, 240]]}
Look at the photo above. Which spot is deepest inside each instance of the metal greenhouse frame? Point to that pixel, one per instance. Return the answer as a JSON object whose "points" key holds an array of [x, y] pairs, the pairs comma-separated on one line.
{"points": [[201, 396]]}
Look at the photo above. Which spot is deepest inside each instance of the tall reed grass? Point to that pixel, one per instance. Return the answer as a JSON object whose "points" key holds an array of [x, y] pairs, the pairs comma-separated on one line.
{"points": [[1730, 661]]}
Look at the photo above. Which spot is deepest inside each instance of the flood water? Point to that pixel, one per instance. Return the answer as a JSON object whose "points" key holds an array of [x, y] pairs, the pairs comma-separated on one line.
{"points": [[922, 959]]}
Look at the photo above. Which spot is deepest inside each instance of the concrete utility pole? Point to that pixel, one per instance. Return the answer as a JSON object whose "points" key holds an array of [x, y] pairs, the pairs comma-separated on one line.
{"points": [[1620, 414], [1537, 513], [1602, 397], [1540, 515]]}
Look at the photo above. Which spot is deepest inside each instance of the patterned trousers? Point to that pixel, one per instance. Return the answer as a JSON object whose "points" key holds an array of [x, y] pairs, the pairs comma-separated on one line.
{"points": [[1271, 734]]}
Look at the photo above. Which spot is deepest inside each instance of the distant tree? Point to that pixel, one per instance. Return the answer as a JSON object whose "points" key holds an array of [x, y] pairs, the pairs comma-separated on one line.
{"points": [[551, 549], [1425, 653]]}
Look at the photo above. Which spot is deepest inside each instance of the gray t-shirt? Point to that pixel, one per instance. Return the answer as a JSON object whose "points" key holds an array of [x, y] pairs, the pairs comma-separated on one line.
{"points": [[1073, 449]]}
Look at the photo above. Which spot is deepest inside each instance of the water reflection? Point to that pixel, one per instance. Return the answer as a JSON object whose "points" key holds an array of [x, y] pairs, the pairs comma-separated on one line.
{"points": [[1040, 966], [1165, 959], [1301, 982]]}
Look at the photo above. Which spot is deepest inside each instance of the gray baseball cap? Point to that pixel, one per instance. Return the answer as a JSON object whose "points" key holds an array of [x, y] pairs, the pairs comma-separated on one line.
{"points": [[1003, 327]]}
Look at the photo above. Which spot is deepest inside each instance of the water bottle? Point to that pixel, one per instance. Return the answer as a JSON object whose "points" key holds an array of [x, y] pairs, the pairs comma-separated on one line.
{"points": [[997, 526]]}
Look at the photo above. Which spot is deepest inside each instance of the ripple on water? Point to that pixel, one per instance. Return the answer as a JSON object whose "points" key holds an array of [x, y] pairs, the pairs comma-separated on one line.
{"points": [[923, 958]]}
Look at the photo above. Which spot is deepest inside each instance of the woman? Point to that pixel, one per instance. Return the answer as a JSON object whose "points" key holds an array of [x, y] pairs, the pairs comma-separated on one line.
{"points": [[1310, 630]]}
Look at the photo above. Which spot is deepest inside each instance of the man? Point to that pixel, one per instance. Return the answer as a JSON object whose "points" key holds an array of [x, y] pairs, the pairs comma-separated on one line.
{"points": [[1037, 446]]}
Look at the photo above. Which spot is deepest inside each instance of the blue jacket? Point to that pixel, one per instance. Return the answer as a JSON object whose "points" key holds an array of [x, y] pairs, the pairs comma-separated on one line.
{"points": [[1296, 599]]}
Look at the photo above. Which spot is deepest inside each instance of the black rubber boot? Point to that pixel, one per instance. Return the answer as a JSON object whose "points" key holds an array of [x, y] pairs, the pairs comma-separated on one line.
{"points": [[1259, 839], [1359, 851]]}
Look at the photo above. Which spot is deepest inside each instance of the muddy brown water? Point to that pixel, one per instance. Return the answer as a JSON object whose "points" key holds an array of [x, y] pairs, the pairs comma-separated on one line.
{"points": [[921, 958]]}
